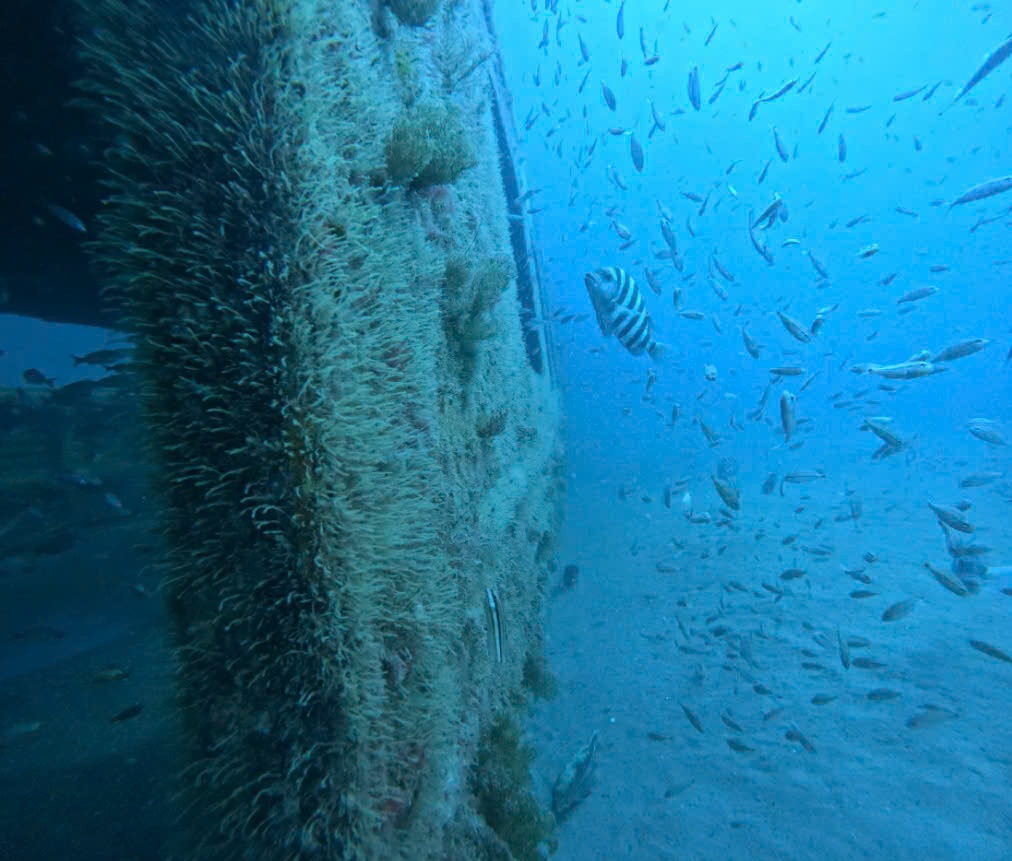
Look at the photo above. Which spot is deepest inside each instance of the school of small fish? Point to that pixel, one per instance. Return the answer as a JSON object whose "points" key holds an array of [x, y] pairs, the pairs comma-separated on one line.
{"points": [[686, 265]]}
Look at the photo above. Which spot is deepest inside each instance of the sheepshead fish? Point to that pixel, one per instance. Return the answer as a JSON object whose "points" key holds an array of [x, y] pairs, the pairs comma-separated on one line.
{"points": [[618, 306]]}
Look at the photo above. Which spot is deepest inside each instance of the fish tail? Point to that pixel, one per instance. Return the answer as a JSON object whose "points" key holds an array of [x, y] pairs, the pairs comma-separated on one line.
{"points": [[656, 351]]}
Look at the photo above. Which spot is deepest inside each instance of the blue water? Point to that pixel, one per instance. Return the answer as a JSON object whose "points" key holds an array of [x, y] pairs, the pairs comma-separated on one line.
{"points": [[29, 343], [668, 613]]}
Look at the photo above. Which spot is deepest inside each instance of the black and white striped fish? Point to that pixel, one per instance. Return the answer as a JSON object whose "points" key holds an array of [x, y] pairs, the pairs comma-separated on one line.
{"points": [[620, 311]]}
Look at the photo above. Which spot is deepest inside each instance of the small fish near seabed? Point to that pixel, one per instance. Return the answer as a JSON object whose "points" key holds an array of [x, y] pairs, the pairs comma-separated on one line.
{"points": [[694, 89], [782, 91], [110, 674], [575, 781], [797, 737], [776, 211], [761, 248], [796, 329], [917, 294], [980, 479], [129, 713], [950, 583], [103, 358], [620, 311], [991, 651], [987, 431], [985, 189], [66, 217], [608, 96], [906, 370], [952, 518], [801, 477], [960, 350], [693, 719], [752, 347], [730, 494], [788, 421], [881, 426], [929, 716], [35, 377], [991, 62], [899, 610], [636, 153]]}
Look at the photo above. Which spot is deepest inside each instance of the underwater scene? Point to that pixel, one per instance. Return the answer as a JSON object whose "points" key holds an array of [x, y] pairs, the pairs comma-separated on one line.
{"points": [[505, 429]]}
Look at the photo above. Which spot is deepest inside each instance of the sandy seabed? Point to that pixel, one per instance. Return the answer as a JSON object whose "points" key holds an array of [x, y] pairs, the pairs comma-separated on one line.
{"points": [[872, 787]]}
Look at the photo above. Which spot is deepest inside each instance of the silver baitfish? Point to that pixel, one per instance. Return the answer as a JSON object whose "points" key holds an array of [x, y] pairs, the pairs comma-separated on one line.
{"points": [[618, 305]]}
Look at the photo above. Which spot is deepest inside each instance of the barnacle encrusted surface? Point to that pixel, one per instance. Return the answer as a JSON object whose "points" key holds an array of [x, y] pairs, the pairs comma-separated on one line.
{"points": [[428, 146], [332, 516]]}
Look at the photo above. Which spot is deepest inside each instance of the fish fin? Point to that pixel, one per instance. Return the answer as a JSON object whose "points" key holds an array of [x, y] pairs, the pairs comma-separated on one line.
{"points": [[656, 351], [603, 323], [602, 314]]}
